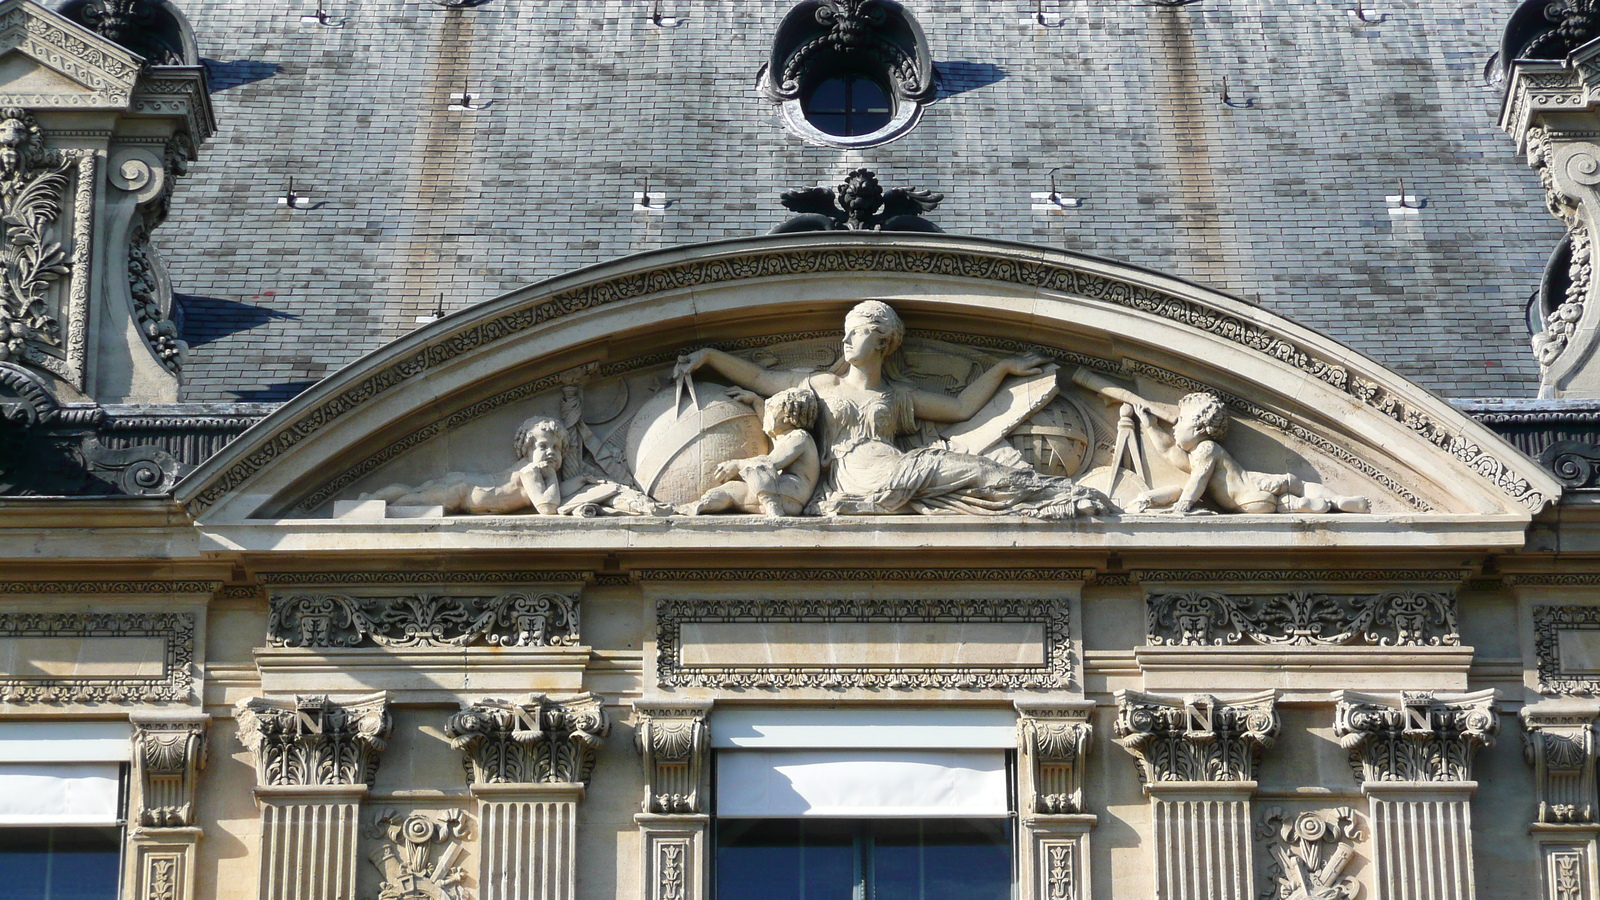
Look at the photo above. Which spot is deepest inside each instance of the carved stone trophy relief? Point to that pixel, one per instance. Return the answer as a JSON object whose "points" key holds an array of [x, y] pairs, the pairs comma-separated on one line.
{"points": [[876, 423], [39, 298]]}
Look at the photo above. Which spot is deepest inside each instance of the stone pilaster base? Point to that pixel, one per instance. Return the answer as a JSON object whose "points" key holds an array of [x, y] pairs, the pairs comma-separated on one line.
{"points": [[308, 841], [526, 837], [161, 863], [1567, 861], [1055, 857], [1422, 838], [1203, 841], [673, 850]]}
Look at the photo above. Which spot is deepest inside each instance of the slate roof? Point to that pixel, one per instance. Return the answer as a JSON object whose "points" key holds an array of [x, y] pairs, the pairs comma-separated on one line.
{"points": [[1281, 203]]}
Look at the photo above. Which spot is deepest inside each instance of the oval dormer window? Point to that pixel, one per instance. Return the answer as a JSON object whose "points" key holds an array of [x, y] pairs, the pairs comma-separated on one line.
{"points": [[849, 73]]}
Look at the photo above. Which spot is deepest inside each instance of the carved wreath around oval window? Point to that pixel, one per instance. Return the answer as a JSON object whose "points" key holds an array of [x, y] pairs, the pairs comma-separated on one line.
{"points": [[849, 73]]}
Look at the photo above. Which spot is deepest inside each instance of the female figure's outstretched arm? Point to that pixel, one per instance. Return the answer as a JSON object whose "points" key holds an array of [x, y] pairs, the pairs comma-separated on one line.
{"points": [[939, 408], [742, 372]]}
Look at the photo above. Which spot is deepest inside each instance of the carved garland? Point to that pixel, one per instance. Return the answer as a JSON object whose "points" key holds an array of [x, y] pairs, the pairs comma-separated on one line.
{"points": [[1031, 273], [1548, 623], [175, 683], [512, 619], [1303, 619], [671, 671]]}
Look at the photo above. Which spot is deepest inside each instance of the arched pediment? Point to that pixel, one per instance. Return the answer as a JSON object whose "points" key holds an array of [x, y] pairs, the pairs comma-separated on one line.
{"points": [[449, 396]]}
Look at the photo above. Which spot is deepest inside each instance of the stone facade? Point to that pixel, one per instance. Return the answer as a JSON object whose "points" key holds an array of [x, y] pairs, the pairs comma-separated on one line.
{"points": [[489, 612]]}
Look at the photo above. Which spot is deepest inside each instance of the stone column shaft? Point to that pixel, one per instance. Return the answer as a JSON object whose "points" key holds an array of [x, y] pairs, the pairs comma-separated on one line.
{"points": [[526, 850], [1413, 753], [1198, 756], [674, 743], [308, 841], [1202, 840], [169, 750], [1422, 840], [314, 761]]}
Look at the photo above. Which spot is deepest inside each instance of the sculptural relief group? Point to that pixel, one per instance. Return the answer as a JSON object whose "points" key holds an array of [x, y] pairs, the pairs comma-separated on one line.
{"points": [[872, 425]]}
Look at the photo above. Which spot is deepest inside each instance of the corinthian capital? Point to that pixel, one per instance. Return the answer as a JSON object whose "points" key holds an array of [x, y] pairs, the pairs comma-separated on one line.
{"points": [[1558, 740], [314, 741], [539, 740], [1054, 740], [674, 740], [1197, 737], [168, 753], [1415, 735]]}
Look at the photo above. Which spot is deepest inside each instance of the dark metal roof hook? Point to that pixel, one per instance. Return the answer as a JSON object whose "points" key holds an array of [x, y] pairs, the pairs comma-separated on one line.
{"points": [[1038, 16]]}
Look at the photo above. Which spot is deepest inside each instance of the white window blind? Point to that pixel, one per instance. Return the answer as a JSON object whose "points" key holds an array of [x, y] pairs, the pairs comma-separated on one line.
{"points": [[860, 728], [861, 783], [62, 773], [59, 793]]}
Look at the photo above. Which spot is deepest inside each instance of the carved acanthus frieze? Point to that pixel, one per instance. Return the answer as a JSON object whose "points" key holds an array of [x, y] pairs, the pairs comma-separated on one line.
{"points": [[1196, 738], [1054, 741], [518, 618], [539, 740], [1559, 741], [416, 855], [674, 742], [314, 741], [1308, 854], [168, 754], [1415, 736], [1303, 618]]}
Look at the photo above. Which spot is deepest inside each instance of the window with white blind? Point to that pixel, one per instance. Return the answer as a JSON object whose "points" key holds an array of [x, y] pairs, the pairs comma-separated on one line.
{"points": [[62, 794], [863, 804]]}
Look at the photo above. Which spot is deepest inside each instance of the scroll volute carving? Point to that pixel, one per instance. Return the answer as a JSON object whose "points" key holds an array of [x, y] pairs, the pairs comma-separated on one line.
{"points": [[168, 754], [1198, 737], [1054, 742], [674, 742], [1415, 736], [314, 741], [1559, 741], [539, 740]]}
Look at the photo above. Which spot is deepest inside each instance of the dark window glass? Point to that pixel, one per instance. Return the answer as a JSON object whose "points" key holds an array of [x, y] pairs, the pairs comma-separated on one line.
{"points": [[872, 859], [59, 863], [848, 105]]}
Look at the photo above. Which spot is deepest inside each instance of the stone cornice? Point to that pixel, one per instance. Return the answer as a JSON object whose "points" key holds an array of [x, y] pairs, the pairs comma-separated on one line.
{"points": [[106, 71]]}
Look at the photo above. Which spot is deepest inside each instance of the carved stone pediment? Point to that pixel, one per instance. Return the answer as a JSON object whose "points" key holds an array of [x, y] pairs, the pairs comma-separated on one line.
{"points": [[1149, 385], [47, 61]]}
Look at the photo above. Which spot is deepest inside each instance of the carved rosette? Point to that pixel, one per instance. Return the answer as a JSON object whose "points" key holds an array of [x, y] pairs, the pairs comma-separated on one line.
{"points": [[674, 742], [1416, 736], [1558, 740], [314, 741], [1196, 738], [541, 740], [1054, 742], [1408, 618], [1307, 854], [168, 755], [519, 618]]}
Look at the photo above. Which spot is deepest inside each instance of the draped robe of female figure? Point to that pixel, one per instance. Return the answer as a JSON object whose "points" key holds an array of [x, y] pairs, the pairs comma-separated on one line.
{"points": [[867, 474]]}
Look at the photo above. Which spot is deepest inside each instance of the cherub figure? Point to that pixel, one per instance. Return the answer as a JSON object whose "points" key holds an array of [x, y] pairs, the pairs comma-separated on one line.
{"points": [[1193, 445], [535, 481], [776, 484]]}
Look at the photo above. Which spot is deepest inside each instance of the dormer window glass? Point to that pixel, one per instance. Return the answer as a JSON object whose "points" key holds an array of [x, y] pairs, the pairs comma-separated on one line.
{"points": [[848, 106]]}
